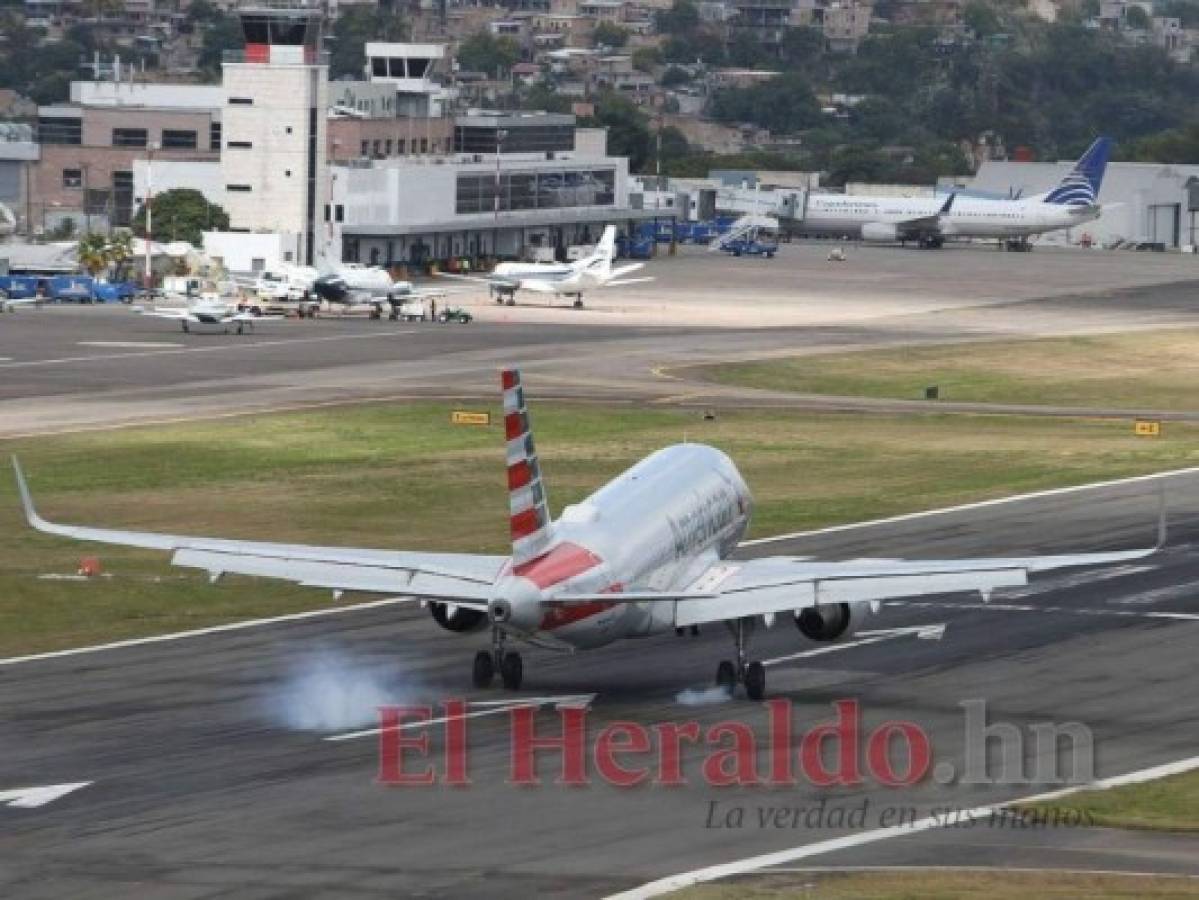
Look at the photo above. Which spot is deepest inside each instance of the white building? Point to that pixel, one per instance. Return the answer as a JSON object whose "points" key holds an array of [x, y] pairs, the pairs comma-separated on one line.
{"points": [[273, 125], [416, 72], [1143, 202], [413, 210]]}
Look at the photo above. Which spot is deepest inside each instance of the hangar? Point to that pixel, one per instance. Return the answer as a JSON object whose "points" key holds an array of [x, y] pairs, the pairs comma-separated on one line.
{"points": [[1145, 203]]}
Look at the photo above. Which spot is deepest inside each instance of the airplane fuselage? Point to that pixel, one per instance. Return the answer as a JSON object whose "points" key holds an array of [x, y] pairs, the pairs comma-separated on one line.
{"points": [[657, 527], [968, 216], [556, 278]]}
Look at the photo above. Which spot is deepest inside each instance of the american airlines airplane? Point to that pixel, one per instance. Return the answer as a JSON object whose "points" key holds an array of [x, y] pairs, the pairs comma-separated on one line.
{"points": [[646, 554], [929, 220], [560, 279]]}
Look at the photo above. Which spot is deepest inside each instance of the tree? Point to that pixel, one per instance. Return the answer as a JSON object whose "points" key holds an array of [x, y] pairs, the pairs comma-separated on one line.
{"points": [[182, 214], [981, 18], [1136, 18], [682, 17], [782, 105], [484, 52], [646, 59], [628, 131], [675, 76], [355, 26], [221, 33], [97, 252], [609, 34]]}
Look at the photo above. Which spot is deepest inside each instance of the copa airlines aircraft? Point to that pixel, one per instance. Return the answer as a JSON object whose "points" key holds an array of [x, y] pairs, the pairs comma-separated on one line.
{"points": [[560, 279], [645, 554], [929, 221]]}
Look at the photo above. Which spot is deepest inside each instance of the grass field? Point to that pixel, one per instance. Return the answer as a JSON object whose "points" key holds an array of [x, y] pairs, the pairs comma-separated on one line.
{"points": [[941, 884], [401, 476], [1169, 804], [1157, 370]]}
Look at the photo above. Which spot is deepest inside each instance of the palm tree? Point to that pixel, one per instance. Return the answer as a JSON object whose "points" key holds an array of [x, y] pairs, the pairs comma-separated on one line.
{"points": [[93, 253], [120, 248]]}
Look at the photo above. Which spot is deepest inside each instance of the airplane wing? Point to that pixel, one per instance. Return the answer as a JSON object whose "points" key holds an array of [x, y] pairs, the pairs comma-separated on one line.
{"points": [[494, 280], [925, 224], [463, 578], [621, 271], [176, 315], [621, 282], [761, 587]]}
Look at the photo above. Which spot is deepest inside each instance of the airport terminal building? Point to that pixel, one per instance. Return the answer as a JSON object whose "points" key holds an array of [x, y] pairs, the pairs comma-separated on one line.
{"points": [[516, 182]]}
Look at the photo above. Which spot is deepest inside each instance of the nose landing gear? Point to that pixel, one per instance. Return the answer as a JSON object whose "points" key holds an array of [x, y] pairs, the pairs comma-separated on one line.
{"points": [[507, 662], [750, 674]]}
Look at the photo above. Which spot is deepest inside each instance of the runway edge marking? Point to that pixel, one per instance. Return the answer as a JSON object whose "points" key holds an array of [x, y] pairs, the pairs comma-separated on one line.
{"points": [[767, 860], [198, 632], [977, 504]]}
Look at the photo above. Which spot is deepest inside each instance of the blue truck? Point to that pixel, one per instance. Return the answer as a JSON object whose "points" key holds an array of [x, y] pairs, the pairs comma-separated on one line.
{"points": [[749, 247]]}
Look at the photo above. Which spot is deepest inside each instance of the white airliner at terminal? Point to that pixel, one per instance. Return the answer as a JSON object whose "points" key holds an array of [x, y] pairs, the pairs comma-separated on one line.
{"points": [[930, 221]]}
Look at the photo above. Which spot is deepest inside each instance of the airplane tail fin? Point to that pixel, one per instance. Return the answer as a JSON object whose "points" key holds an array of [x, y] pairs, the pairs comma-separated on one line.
{"points": [[529, 514], [1081, 186], [600, 261]]}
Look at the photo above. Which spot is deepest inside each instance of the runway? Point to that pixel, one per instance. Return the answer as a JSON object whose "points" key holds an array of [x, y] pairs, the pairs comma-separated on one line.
{"points": [[199, 789], [203, 783], [72, 368]]}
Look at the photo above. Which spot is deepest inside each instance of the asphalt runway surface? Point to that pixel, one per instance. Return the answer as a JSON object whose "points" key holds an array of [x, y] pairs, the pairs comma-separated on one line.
{"points": [[74, 368], [201, 788], [209, 766]]}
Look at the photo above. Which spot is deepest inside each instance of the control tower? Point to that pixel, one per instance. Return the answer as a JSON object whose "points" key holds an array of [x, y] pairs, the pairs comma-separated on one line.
{"points": [[273, 124]]}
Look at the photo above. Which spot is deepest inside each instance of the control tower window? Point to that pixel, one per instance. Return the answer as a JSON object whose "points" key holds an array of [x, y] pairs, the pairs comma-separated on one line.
{"points": [[417, 67], [255, 29], [379, 66], [289, 32], [395, 67]]}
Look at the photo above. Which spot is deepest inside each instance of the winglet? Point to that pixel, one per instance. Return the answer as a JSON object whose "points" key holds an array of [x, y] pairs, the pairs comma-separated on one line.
{"points": [[26, 499], [948, 204]]}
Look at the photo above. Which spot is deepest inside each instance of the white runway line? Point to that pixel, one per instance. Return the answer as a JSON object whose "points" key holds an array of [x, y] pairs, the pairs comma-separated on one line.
{"points": [[978, 504], [862, 838], [175, 349], [490, 708], [129, 344], [198, 632]]}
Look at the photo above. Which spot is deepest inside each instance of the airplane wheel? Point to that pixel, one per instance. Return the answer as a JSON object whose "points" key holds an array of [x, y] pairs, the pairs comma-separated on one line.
{"points": [[512, 671], [512, 300], [726, 676], [484, 669], [185, 328], [755, 681], [578, 302]]}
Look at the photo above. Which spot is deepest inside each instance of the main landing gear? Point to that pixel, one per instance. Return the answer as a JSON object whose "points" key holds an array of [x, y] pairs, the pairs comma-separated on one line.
{"points": [[578, 301], [508, 662], [751, 674]]}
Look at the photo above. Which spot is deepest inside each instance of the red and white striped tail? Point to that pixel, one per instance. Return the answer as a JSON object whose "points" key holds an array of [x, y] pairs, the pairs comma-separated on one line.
{"points": [[529, 513]]}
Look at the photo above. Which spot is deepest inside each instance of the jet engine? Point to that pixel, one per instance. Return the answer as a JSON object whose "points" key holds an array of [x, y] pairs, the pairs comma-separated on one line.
{"points": [[831, 621], [879, 231], [452, 617]]}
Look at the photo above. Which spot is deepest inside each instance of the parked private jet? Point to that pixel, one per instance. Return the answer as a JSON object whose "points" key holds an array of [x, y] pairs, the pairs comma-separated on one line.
{"points": [[559, 279], [645, 554], [930, 220]]}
